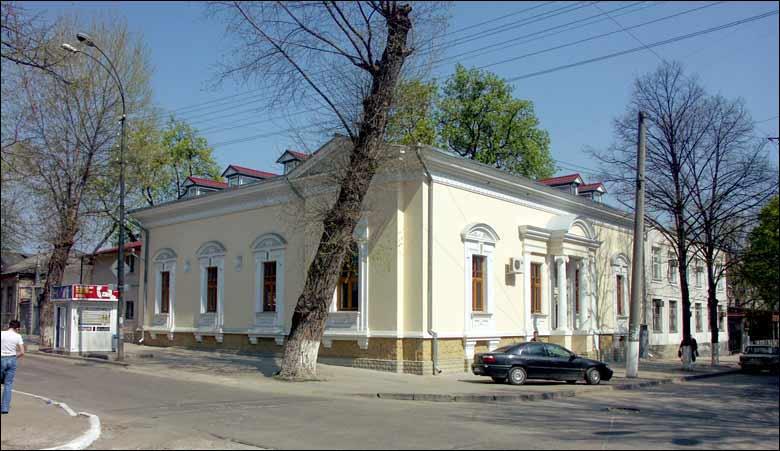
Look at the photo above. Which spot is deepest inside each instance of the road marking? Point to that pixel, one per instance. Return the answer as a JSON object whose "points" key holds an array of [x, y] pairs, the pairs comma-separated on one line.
{"points": [[86, 439]]}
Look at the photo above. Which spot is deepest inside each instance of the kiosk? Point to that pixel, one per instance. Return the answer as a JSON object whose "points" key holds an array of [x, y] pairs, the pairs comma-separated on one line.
{"points": [[84, 318]]}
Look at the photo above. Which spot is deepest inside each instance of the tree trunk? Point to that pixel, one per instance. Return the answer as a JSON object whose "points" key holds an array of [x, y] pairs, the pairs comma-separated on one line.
{"points": [[712, 306], [54, 274], [311, 310], [682, 266]]}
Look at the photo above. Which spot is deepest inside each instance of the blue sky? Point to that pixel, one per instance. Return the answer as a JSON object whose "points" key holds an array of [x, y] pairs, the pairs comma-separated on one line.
{"points": [[576, 105]]}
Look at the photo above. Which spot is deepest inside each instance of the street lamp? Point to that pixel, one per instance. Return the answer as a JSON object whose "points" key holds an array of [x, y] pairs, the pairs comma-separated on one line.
{"points": [[120, 265]]}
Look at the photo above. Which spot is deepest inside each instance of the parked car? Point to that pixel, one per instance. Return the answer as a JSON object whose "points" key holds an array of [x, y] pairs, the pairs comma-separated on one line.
{"points": [[757, 358], [535, 360]]}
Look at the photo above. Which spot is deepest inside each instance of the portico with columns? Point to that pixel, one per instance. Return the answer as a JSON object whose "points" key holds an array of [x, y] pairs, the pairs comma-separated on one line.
{"points": [[564, 251]]}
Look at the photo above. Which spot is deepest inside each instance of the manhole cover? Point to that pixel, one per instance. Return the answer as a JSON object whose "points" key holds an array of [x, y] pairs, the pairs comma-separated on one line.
{"points": [[623, 409]]}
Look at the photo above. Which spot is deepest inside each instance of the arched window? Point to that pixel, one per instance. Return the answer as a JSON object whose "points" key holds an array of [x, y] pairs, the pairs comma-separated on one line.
{"points": [[479, 246], [620, 278], [211, 257], [269, 252], [165, 277]]}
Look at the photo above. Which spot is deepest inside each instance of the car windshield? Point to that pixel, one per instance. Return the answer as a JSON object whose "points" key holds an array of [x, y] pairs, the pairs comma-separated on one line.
{"points": [[504, 349], [759, 350]]}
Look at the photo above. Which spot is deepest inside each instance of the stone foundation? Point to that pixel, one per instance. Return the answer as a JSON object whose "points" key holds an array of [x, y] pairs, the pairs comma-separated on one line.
{"points": [[407, 355]]}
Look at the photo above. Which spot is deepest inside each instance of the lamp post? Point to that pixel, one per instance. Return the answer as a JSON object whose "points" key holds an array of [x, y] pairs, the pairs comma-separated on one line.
{"points": [[120, 265]]}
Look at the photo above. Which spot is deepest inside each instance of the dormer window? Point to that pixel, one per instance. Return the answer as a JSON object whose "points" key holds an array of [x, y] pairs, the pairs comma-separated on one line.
{"points": [[291, 159], [196, 186], [240, 176]]}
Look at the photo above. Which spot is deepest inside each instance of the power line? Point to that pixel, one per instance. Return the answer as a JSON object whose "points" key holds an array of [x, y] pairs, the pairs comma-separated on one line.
{"points": [[636, 49], [599, 36], [631, 34], [518, 40], [458, 41], [732, 24]]}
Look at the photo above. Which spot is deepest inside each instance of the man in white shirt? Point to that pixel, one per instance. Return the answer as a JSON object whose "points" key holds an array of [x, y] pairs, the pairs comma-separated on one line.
{"points": [[12, 349]]}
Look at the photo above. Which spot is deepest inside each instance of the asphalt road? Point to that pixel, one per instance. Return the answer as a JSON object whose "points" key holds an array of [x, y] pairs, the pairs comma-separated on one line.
{"points": [[148, 412]]}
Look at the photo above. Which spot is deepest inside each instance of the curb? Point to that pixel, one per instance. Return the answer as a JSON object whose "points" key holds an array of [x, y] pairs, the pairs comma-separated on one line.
{"points": [[543, 395], [86, 439], [71, 357]]}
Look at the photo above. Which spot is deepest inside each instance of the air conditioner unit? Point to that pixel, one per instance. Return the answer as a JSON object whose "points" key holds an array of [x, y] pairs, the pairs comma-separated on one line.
{"points": [[515, 266]]}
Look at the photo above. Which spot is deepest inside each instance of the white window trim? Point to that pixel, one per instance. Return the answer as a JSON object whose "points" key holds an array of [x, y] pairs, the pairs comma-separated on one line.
{"points": [[348, 324], [479, 239], [661, 316], [676, 316], [211, 254], [656, 252], [619, 268], [269, 247], [165, 260]]}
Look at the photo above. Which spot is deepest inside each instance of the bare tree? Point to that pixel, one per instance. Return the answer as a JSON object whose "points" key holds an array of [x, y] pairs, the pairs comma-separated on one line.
{"points": [[347, 59], [26, 38], [70, 125], [677, 129], [732, 180]]}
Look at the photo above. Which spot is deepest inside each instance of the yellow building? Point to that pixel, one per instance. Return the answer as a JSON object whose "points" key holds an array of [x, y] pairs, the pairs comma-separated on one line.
{"points": [[451, 257]]}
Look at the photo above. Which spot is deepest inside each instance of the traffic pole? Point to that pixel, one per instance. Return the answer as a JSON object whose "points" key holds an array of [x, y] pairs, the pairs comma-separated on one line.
{"points": [[637, 263]]}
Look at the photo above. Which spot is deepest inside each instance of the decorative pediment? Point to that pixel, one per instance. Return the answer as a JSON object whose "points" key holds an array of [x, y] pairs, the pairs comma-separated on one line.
{"points": [[165, 254], [268, 241], [479, 232], [211, 248], [620, 260]]}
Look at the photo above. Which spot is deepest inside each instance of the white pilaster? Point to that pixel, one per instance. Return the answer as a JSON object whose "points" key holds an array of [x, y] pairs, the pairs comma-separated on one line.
{"points": [[582, 320], [563, 324]]}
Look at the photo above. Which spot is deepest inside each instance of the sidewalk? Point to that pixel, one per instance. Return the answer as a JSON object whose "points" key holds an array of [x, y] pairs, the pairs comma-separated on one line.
{"points": [[34, 424], [257, 372], [254, 372]]}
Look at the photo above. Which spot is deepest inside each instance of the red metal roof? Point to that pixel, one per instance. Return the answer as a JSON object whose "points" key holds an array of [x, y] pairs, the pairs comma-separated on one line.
{"points": [[591, 187], [207, 182], [562, 180], [128, 246], [299, 155], [250, 172]]}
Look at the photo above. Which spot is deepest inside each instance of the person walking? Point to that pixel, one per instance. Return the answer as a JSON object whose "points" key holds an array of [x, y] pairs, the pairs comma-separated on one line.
{"points": [[12, 350]]}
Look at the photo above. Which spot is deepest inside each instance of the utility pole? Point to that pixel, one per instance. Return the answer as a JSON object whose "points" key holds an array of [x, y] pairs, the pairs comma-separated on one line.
{"points": [[637, 263]]}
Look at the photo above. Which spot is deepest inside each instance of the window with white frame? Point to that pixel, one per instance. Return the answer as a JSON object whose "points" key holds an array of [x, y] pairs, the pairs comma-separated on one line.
{"points": [[673, 317], [657, 266], [658, 312], [479, 245], [699, 276], [348, 289], [720, 275], [269, 254], [698, 318], [165, 270], [721, 319], [211, 257], [672, 273]]}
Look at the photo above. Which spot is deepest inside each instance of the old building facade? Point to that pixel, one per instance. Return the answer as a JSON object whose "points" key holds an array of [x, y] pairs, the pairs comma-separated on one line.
{"points": [[450, 257]]}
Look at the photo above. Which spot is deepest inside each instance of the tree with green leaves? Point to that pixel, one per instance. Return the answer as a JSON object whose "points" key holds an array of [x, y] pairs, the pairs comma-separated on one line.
{"points": [[479, 118], [412, 118], [165, 158], [760, 267]]}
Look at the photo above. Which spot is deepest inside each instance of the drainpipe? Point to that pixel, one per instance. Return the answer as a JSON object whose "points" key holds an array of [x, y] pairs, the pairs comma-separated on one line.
{"points": [[146, 277], [433, 334]]}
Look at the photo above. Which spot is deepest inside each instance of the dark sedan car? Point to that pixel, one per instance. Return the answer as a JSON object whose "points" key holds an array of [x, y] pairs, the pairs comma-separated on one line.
{"points": [[757, 358], [534, 360]]}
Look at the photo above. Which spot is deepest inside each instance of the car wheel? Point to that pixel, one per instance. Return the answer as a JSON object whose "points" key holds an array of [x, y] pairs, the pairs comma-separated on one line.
{"points": [[499, 380], [517, 376], [592, 376]]}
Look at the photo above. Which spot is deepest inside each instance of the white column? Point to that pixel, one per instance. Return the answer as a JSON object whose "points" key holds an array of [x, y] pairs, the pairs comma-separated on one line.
{"points": [[582, 266], [562, 298]]}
